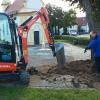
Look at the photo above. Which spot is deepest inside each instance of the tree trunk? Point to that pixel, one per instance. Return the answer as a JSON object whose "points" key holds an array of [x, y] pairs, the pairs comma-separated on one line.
{"points": [[58, 30], [88, 9], [65, 30], [52, 30], [55, 30]]}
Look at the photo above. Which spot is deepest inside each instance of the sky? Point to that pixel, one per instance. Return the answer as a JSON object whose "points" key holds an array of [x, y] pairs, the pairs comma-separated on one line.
{"points": [[64, 5]]}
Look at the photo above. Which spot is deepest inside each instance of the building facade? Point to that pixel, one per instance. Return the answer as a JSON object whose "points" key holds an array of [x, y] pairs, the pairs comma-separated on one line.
{"points": [[81, 26], [23, 9]]}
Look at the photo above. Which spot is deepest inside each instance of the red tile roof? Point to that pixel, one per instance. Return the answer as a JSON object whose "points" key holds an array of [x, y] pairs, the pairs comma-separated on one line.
{"points": [[15, 7], [81, 21]]}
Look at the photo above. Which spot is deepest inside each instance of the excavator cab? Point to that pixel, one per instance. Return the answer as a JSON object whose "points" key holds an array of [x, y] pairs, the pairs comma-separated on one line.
{"points": [[9, 41], [6, 40], [11, 53]]}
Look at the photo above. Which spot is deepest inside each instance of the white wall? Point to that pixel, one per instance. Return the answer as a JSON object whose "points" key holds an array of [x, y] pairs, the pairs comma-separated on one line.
{"points": [[74, 27], [86, 28], [35, 5], [36, 27]]}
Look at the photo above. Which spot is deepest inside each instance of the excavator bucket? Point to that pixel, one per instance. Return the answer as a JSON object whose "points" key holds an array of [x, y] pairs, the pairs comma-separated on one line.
{"points": [[60, 54]]}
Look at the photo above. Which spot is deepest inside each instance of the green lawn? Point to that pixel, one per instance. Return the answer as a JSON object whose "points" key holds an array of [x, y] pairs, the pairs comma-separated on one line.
{"points": [[47, 94], [78, 41], [66, 41]]}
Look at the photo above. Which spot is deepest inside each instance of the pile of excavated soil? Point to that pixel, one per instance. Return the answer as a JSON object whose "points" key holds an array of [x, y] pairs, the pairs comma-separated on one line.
{"points": [[73, 68], [83, 71]]}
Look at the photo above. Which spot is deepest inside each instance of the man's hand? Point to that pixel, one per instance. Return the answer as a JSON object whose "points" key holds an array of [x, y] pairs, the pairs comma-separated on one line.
{"points": [[85, 50]]}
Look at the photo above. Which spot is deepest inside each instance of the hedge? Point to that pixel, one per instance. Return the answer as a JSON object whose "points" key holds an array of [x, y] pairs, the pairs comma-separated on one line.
{"points": [[73, 39]]}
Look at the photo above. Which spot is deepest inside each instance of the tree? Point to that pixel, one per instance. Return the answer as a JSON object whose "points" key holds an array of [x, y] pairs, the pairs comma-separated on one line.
{"points": [[60, 18], [69, 19], [55, 15], [86, 5], [92, 9], [96, 14]]}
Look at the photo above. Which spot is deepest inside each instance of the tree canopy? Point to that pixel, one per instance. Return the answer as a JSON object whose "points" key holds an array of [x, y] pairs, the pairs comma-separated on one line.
{"points": [[95, 5], [60, 18], [92, 8]]}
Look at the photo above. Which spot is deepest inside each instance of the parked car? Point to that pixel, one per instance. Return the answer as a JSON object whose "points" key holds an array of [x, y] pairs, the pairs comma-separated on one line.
{"points": [[73, 32]]}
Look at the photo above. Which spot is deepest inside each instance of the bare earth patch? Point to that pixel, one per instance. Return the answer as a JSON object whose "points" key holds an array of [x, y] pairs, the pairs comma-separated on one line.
{"points": [[78, 74]]}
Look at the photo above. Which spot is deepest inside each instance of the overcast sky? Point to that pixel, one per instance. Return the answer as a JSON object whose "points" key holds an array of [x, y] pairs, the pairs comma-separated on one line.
{"points": [[65, 6]]}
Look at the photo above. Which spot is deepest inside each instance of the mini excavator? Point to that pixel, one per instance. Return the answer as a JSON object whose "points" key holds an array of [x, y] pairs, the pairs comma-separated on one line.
{"points": [[14, 46]]}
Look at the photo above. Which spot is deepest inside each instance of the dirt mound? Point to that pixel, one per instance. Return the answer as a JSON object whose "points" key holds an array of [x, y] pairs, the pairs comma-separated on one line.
{"points": [[83, 71], [73, 68]]}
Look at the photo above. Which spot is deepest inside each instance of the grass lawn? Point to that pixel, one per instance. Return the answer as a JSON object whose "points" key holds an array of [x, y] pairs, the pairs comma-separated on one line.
{"points": [[75, 40], [48, 94], [66, 41]]}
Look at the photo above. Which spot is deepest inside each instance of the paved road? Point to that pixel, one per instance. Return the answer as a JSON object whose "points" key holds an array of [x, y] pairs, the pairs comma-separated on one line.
{"points": [[39, 56], [75, 53]]}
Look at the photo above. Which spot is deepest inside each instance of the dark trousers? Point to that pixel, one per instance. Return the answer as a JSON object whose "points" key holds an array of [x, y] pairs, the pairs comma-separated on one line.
{"points": [[97, 64]]}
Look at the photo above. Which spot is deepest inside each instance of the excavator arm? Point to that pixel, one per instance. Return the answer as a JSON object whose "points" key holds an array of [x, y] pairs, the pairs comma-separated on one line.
{"points": [[24, 28]]}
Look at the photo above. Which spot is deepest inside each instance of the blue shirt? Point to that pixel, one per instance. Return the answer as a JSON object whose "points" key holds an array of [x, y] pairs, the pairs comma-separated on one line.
{"points": [[95, 45]]}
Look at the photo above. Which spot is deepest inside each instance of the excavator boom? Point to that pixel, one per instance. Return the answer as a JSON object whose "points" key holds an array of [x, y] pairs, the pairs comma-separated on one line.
{"points": [[25, 27]]}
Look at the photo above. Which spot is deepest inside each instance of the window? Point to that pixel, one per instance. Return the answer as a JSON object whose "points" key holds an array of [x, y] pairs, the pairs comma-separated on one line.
{"points": [[6, 50], [5, 35]]}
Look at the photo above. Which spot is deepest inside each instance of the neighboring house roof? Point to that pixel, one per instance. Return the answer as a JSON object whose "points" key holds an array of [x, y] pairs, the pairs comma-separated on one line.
{"points": [[24, 6], [15, 7], [81, 21]]}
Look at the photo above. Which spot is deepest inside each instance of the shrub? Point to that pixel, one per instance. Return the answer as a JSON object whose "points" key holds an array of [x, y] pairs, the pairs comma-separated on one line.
{"points": [[73, 39]]}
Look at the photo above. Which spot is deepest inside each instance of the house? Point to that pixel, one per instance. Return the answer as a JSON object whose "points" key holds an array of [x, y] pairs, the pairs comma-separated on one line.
{"points": [[81, 26], [23, 9], [72, 30]]}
